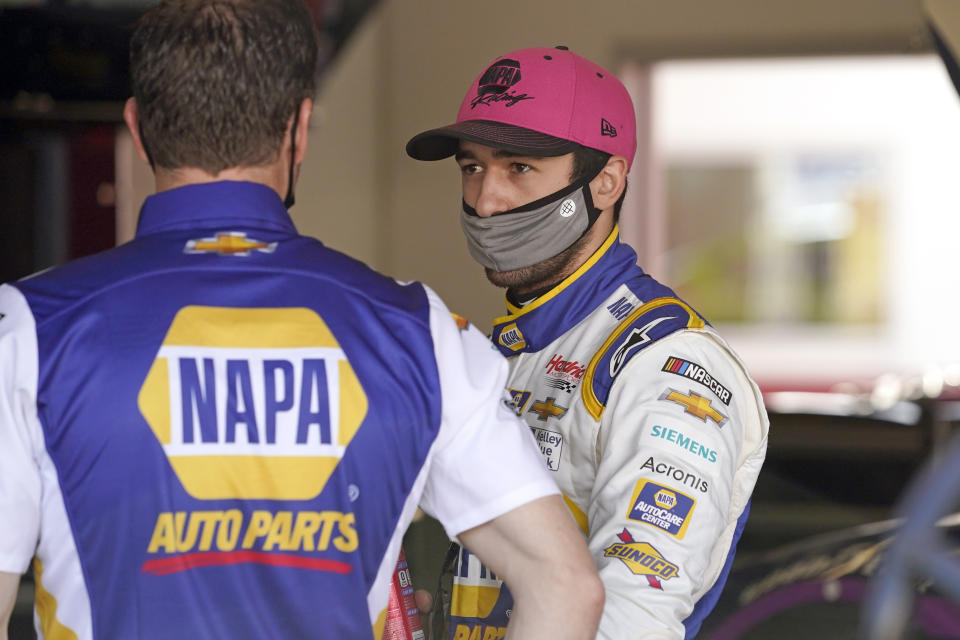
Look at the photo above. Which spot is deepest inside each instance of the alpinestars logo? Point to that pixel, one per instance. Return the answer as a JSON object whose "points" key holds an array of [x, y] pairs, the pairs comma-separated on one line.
{"points": [[635, 340], [607, 129], [495, 83]]}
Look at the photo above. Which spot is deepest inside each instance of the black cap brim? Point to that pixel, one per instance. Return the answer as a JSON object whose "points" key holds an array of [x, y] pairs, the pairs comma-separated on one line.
{"points": [[437, 144]]}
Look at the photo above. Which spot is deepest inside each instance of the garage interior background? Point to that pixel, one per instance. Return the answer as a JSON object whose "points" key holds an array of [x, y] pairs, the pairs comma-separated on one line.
{"points": [[809, 214]]}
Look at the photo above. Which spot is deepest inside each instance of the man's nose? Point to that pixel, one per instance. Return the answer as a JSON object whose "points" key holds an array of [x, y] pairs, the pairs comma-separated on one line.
{"points": [[493, 197]]}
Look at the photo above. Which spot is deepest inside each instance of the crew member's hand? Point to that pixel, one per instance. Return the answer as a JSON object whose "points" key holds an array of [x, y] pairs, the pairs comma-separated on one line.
{"points": [[424, 600]]}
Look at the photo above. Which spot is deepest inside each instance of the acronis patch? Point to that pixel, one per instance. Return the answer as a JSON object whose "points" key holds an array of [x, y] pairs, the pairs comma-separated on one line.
{"points": [[246, 414], [662, 507]]}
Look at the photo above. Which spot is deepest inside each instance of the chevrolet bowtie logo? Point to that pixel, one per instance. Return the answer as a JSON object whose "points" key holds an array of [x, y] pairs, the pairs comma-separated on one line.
{"points": [[229, 243], [695, 405], [545, 408]]}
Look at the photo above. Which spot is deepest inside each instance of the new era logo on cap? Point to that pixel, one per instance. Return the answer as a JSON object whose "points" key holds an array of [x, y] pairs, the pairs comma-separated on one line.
{"points": [[607, 129]]}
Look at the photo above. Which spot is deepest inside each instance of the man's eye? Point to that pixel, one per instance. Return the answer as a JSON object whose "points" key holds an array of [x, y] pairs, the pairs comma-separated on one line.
{"points": [[469, 169], [520, 167]]}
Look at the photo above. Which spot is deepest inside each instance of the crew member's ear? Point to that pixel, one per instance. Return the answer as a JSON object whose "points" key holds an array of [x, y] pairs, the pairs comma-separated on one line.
{"points": [[132, 118], [609, 183], [303, 130]]}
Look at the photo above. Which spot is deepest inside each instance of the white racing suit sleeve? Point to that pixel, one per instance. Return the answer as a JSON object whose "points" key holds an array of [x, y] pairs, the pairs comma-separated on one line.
{"points": [[20, 484], [678, 453], [485, 460]]}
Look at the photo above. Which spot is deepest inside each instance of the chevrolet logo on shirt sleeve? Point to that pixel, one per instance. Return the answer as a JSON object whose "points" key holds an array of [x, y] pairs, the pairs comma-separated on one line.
{"points": [[229, 243], [545, 409], [695, 405]]}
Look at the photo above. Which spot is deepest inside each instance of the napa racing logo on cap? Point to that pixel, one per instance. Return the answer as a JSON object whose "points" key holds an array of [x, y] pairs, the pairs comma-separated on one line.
{"points": [[251, 404], [642, 559], [662, 507], [511, 338], [493, 86]]}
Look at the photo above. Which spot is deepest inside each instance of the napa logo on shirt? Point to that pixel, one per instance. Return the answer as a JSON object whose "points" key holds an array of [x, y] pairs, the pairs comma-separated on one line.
{"points": [[511, 337], [662, 507], [252, 403]]}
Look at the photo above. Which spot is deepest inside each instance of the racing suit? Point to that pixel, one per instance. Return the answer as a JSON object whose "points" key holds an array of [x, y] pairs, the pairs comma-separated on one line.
{"points": [[655, 434], [222, 429]]}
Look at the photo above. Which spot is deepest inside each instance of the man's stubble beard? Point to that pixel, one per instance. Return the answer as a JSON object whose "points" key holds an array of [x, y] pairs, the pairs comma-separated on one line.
{"points": [[541, 275]]}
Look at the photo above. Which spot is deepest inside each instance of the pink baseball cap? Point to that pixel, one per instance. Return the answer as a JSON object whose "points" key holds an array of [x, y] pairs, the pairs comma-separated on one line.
{"points": [[539, 102]]}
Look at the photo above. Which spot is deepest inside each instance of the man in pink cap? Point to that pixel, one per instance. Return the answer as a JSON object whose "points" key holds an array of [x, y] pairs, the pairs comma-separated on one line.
{"points": [[646, 418]]}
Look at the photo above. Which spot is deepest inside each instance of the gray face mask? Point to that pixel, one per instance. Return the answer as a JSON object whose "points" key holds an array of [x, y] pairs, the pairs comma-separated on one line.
{"points": [[532, 233]]}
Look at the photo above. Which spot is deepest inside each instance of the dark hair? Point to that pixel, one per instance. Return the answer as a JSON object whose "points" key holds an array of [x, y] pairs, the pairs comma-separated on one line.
{"points": [[587, 163], [216, 81]]}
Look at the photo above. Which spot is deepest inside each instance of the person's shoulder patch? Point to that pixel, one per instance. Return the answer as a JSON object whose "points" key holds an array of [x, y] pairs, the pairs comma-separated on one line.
{"points": [[644, 325]]}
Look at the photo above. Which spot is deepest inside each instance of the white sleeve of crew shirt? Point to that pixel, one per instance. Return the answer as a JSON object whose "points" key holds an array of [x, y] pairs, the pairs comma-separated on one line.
{"points": [[485, 461], [20, 484]]}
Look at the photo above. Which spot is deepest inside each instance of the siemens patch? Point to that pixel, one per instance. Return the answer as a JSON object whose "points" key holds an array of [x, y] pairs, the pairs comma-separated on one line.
{"points": [[695, 372], [662, 507], [688, 444]]}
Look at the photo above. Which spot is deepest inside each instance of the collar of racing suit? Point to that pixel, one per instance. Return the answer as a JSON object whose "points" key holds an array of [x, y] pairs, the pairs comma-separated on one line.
{"points": [[537, 324], [214, 204]]}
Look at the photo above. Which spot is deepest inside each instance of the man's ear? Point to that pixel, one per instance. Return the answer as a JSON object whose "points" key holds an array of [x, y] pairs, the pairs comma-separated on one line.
{"points": [[132, 117], [303, 130], [609, 184]]}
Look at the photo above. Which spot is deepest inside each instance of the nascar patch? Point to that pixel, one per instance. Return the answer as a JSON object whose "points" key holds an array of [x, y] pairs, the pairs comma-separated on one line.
{"points": [[697, 373], [662, 507]]}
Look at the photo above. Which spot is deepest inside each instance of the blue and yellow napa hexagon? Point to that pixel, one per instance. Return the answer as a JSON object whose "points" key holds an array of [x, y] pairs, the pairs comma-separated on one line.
{"points": [[220, 340]]}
